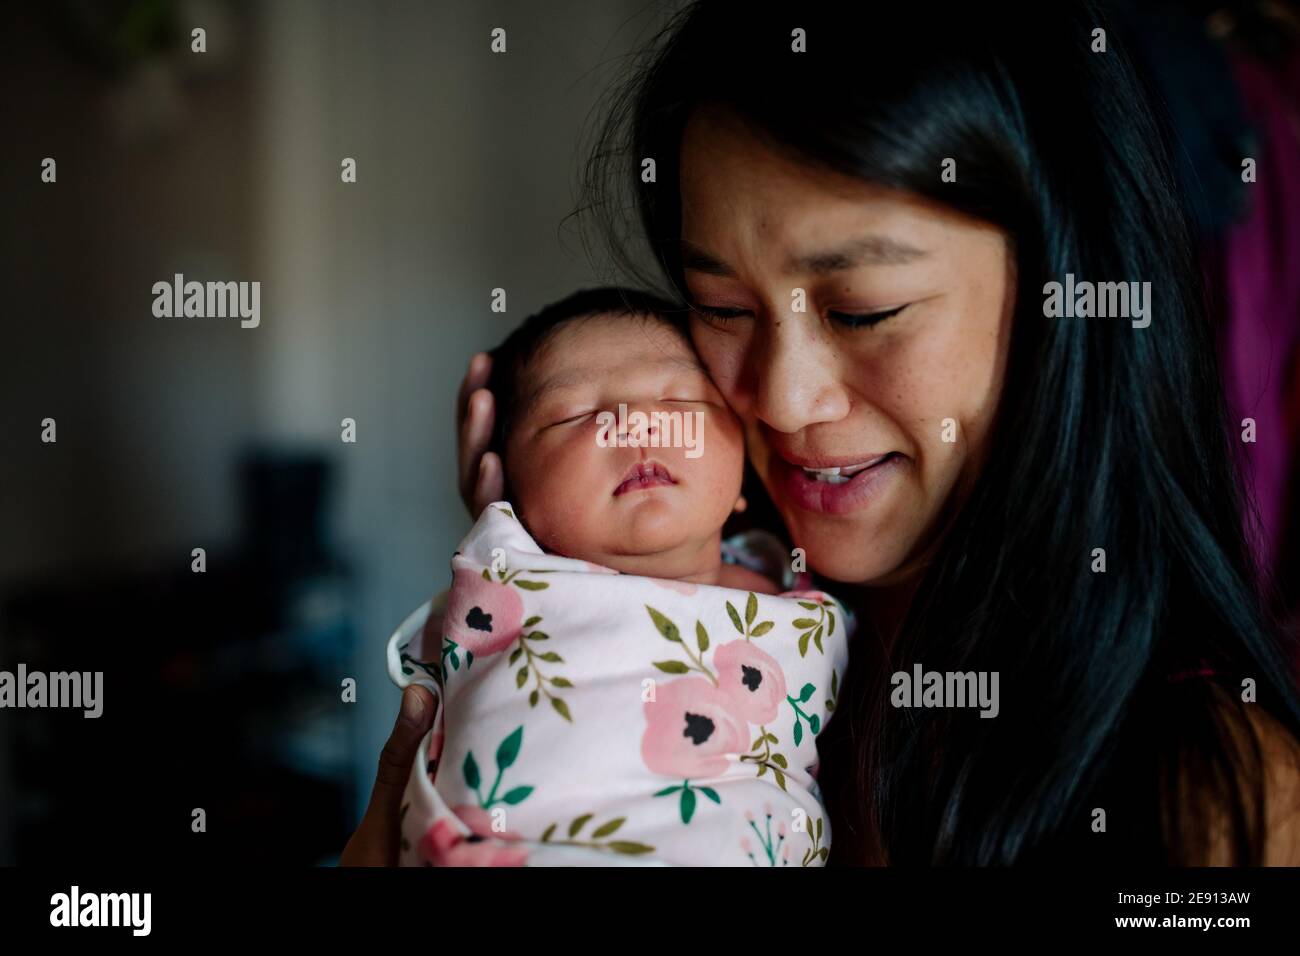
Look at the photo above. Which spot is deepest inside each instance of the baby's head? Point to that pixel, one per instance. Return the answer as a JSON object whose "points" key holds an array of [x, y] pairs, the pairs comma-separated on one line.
{"points": [[559, 381]]}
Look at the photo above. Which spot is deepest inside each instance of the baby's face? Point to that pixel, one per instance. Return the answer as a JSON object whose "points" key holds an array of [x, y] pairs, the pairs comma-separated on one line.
{"points": [[582, 496]]}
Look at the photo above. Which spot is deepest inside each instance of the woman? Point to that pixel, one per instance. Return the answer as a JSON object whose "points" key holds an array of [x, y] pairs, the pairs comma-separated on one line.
{"points": [[865, 231]]}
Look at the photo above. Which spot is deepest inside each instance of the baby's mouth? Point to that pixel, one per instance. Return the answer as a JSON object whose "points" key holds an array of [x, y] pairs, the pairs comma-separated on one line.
{"points": [[642, 475]]}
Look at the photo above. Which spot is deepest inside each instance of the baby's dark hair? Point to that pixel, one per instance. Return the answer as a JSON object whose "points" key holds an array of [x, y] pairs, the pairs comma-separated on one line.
{"points": [[511, 357]]}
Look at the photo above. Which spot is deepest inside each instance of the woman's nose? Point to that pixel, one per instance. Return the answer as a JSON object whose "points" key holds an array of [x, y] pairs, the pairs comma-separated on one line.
{"points": [[796, 379]]}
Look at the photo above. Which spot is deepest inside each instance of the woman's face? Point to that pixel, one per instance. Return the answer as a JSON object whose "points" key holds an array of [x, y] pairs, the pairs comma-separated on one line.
{"points": [[849, 326]]}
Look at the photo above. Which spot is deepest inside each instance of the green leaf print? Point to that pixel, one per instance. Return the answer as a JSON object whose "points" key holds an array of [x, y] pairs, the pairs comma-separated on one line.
{"points": [[470, 771], [532, 668], [607, 828], [668, 630], [664, 626], [506, 753], [672, 667], [509, 749], [814, 628], [597, 839]]}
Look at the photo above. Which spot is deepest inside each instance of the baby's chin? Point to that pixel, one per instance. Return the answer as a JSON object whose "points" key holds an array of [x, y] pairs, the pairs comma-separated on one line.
{"points": [[649, 521]]}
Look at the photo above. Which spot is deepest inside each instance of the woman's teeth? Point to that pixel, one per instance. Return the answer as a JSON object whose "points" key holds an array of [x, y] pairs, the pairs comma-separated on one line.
{"points": [[831, 476], [839, 475]]}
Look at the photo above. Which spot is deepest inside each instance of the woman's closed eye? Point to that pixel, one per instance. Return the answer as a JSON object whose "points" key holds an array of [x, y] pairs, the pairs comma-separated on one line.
{"points": [[720, 313], [857, 320], [852, 320]]}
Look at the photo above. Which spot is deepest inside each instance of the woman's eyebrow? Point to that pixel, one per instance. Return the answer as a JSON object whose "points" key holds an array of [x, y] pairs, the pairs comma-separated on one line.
{"points": [[695, 259], [866, 250], [863, 251]]}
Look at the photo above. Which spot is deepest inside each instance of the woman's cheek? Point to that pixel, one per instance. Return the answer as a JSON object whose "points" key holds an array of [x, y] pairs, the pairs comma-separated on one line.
{"points": [[723, 354]]}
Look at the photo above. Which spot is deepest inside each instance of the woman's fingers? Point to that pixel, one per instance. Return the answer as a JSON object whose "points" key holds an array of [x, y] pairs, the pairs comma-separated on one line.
{"points": [[491, 482], [376, 840], [473, 438], [471, 434], [443, 845], [476, 377]]}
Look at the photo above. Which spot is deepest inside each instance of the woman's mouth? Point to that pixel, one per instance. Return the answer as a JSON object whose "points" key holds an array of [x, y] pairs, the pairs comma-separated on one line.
{"points": [[839, 488], [643, 475]]}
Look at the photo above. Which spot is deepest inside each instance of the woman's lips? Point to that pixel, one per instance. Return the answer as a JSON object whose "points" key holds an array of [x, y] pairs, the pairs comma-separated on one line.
{"points": [[864, 484], [643, 475]]}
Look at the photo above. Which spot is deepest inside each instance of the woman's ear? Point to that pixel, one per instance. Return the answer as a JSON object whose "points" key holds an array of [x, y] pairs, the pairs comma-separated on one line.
{"points": [[740, 505]]}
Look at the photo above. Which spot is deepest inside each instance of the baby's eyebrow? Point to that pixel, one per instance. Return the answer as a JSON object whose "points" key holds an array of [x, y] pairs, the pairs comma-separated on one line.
{"points": [[584, 375], [555, 383]]}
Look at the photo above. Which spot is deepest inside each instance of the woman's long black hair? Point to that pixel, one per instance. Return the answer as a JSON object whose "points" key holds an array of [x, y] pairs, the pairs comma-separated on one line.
{"points": [[1121, 691]]}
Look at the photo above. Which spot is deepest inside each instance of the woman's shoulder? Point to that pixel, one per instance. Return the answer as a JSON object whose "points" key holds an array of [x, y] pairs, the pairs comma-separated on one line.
{"points": [[1261, 788], [1279, 754]]}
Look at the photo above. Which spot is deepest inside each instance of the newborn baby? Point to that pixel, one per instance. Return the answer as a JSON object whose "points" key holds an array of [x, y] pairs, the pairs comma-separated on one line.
{"points": [[611, 692]]}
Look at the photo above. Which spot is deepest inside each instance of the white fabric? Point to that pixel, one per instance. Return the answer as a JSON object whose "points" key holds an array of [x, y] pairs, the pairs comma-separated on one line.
{"points": [[645, 712]]}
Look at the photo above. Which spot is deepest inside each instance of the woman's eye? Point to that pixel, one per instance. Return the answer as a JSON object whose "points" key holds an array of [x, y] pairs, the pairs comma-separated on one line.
{"points": [[719, 313], [861, 320]]}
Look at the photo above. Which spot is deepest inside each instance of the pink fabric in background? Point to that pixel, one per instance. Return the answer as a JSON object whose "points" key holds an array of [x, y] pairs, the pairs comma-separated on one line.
{"points": [[1262, 275]]}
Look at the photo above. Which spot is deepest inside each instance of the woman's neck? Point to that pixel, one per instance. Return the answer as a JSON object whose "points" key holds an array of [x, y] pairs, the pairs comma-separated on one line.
{"points": [[883, 608]]}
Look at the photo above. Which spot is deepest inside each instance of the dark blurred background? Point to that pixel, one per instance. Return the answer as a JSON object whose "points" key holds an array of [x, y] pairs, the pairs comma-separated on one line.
{"points": [[223, 688]]}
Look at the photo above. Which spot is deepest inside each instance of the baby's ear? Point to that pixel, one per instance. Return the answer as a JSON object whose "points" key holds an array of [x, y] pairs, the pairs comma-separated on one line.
{"points": [[741, 505]]}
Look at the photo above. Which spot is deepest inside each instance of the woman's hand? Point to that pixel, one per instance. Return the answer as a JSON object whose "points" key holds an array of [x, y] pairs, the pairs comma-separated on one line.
{"points": [[445, 846], [482, 477], [379, 835], [377, 838]]}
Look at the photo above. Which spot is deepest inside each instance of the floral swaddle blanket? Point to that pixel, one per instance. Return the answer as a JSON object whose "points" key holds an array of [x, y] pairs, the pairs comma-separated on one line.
{"points": [[604, 719]]}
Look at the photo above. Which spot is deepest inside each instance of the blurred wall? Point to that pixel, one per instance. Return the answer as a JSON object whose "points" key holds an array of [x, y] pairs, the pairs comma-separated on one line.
{"points": [[380, 291], [225, 166]]}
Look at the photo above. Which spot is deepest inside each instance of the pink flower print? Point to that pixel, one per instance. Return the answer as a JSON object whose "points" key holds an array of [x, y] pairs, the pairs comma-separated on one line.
{"points": [[751, 679], [482, 616], [691, 730]]}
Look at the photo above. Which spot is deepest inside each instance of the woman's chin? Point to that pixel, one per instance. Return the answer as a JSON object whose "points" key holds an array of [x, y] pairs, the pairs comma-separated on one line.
{"points": [[852, 556]]}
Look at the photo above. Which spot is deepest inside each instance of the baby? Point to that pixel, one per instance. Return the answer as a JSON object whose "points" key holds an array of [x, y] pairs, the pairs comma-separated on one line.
{"points": [[613, 692]]}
